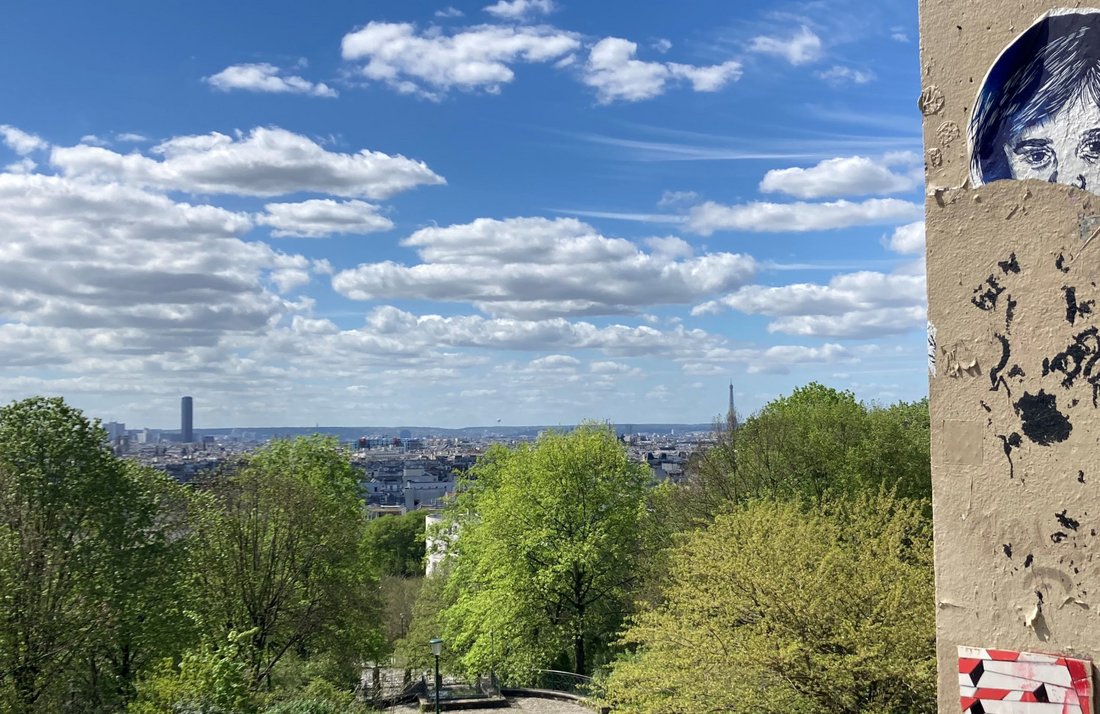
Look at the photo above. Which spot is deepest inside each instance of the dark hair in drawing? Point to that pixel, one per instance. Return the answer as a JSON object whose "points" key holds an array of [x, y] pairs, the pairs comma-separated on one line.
{"points": [[1054, 61]]}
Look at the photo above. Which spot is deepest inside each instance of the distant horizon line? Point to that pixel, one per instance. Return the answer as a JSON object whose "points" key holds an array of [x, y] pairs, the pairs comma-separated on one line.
{"points": [[421, 427]]}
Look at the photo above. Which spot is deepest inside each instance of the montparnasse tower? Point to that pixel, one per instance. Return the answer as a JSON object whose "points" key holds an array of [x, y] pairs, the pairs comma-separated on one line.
{"points": [[731, 415]]}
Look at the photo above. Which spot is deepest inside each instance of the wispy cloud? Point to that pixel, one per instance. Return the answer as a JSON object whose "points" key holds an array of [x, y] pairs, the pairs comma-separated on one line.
{"points": [[266, 78], [803, 47]]}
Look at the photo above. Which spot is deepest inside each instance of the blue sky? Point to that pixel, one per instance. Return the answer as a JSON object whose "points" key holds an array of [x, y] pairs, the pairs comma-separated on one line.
{"points": [[448, 214]]}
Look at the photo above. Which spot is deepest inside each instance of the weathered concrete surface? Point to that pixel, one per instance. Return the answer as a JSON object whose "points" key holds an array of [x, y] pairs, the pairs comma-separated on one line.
{"points": [[1014, 397]]}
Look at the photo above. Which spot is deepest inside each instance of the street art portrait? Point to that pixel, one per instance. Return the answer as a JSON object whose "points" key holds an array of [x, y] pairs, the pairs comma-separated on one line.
{"points": [[1037, 115]]}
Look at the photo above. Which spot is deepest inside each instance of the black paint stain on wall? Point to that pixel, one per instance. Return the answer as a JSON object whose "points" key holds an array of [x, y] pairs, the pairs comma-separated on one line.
{"points": [[1058, 536], [1010, 265], [1078, 360], [1067, 522], [1008, 443], [1075, 309], [985, 295], [987, 408], [1029, 560], [1016, 371], [1010, 313], [1060, 263], [1007, 548], [1041, 420], [1081, 476], [995, 377]]}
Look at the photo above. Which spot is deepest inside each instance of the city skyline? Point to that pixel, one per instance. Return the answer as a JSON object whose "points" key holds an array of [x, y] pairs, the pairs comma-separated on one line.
{"points": [[459, 213]]}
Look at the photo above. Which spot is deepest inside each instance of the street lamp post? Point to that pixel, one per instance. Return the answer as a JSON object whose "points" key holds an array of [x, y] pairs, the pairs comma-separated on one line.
{"points": [[437, 649]]}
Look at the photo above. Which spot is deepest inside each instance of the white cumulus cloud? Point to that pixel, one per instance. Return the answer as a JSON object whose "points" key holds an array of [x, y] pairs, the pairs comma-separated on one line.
{"points": [[849, 176], [267, 78], [519, 9], [432, 63], [322, 217], [20, 141], [268, 161], [852, 305], [764, 217], [536, 267], [616, 75], [908, 239]]}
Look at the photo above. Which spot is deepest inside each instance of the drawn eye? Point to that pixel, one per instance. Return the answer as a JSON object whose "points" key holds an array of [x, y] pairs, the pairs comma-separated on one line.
{"points": [[1035, 156], [1090, 149]]}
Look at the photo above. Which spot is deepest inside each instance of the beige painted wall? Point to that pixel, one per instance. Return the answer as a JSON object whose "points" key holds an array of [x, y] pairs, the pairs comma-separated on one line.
{"points": [[1015, 452]]}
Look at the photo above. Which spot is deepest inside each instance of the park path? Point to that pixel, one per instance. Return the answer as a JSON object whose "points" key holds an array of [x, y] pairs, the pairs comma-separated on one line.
{"points": [[530, 705]]}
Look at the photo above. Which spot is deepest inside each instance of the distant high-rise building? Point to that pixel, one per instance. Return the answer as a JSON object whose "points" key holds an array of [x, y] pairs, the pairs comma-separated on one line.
{"points": [[731, 415], [187, 420], [115, 430]]}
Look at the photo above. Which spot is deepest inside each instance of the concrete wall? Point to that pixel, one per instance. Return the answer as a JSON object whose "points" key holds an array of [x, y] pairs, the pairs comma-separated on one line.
{"points": [[1013, 269]]}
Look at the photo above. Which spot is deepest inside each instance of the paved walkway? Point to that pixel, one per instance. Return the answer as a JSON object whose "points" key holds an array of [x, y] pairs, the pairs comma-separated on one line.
{"points": [[531, 705]]}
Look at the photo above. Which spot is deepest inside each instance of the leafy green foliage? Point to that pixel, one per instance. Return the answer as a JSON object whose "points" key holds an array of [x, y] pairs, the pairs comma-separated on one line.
{"points": [[282, 556], [395, 544], [87, 563], [780, 607], [207, 680], [817, 442], [546, 547]]}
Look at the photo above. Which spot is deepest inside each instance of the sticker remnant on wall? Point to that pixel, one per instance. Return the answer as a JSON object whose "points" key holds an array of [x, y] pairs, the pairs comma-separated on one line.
{"points": [[931, 350], [1005, 682]]}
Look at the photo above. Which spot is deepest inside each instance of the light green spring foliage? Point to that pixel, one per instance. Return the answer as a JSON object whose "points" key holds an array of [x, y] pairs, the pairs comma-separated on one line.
{"points": [[546, 553], [207, 680], [283, 557], [779, 607]]}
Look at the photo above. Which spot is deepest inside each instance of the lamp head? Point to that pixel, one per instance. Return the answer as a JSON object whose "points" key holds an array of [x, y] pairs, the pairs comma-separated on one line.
{"points": [[437, 646]]}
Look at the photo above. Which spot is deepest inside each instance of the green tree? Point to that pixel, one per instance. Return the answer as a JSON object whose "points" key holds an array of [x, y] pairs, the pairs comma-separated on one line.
{"points": [[545, 553], [395, 544], [282, 558], [782, 607], [143, 599], [79, 529], [815, 442]]}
